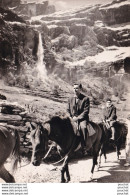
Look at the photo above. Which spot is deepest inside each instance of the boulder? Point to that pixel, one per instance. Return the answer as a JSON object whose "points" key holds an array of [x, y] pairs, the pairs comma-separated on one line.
{"points": [[50, 9], [105, 36], [64, 41], [82, 33], [55, 31], [2, 97]]}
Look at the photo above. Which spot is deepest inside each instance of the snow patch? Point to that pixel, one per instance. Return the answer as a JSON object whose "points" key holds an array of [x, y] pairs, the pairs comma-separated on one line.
{"points": [[52, 26], [125, 35], [111, 54], [80, 25], [119, 28], [52, 22], [12, 8], [99, 23], [18, 23], [34, 18], [36, 25], [75, 63]]}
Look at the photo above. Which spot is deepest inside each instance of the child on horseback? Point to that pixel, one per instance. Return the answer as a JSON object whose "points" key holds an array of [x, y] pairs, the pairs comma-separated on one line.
{"points": [[109, 117]]}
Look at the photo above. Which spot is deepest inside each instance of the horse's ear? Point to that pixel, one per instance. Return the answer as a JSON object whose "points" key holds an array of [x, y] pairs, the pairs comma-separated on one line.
{"points": [[33, 125], [47, 127], [47, 122]]}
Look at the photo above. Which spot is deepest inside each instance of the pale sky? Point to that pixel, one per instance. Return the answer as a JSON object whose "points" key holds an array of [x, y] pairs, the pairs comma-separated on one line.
{"points": [[66, 4]]}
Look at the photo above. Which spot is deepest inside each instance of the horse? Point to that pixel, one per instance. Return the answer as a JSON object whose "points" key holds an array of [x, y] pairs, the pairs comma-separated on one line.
{"points": [[61, 131], [9, 146], [120, 136]]}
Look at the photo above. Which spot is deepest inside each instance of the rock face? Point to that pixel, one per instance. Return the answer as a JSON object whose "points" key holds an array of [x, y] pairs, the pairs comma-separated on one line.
{"points": [[78, 36], [116, 13], [34, 9], [18, 44], [14, 117], [28, 9], [9, 3], [89, 40]]}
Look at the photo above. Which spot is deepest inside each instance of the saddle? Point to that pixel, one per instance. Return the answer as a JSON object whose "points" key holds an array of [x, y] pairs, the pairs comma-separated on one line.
{"points": [[76, 128], [90, 129]]}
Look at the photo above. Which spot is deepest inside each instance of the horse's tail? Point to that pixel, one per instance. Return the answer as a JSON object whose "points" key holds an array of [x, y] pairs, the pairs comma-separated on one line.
{"points": [[126, 126], [123, 130], [16, 152], [103, 138]]}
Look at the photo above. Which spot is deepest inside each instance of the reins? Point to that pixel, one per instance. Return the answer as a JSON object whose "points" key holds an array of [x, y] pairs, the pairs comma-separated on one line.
{"points": [[47, 153], [68, 152], [73, 142]]}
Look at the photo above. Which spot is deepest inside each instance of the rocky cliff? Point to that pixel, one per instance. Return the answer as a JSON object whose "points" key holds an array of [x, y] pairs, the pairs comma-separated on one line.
{"points": [[92, 40], [9, 3], [18, 44], [88, 44], [26, 9]]}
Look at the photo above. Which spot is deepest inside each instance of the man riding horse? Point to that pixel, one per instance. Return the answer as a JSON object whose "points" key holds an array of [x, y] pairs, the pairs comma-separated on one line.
{"points": [[78, 109], [109, 117]]}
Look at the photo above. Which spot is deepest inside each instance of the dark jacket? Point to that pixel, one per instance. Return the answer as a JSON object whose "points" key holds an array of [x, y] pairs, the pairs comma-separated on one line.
{"points": [[110, 113], [79, 109]]}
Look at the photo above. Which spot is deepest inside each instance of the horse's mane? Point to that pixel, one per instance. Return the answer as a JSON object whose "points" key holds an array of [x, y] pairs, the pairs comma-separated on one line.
{"points": [[56, 119], [60, 119], [64, 122]]}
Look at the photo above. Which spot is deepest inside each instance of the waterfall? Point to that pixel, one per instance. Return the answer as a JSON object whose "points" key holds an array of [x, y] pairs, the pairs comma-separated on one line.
{"points": [[42, 72]]}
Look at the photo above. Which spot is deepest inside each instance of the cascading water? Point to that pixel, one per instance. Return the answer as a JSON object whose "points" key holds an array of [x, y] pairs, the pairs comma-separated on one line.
{"points": [[42, 72]]}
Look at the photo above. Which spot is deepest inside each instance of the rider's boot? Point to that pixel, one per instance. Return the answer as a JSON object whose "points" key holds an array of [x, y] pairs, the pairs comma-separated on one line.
{"points": [[83, 143], [113, 133]]}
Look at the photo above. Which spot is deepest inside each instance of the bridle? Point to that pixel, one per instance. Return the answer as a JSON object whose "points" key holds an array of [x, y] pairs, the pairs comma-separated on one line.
{"points": [[66, 155]]}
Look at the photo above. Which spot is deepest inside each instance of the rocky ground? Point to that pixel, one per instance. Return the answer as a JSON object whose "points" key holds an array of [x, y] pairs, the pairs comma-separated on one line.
{"points": [[113, 171]]}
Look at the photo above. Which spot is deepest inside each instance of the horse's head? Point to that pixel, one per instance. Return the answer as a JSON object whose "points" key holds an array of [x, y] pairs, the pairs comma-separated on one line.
{"points": [[39, 139]]}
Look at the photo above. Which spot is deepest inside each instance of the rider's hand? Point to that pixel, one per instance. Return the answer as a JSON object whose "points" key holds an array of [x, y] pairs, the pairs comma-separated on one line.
{"points": [[75, 119]]}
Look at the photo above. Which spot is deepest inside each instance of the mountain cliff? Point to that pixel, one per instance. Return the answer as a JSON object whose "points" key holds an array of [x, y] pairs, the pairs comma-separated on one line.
{"points": [[90, 44], [28, 9]]}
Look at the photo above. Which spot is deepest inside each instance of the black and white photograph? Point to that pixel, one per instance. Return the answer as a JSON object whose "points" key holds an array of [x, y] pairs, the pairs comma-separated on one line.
{"points": [[64, 91]]}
